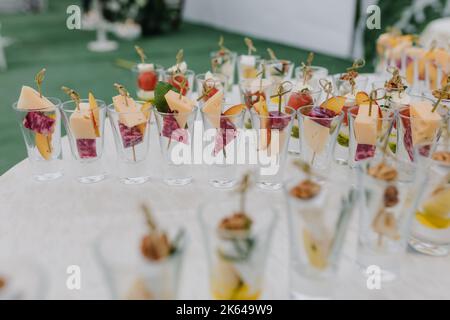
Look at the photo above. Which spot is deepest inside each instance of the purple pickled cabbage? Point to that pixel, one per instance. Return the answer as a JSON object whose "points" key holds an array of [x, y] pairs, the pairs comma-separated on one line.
{"points": [[130, 136], [225, 134], [325, 116], [364, 151], [172, 130], [87, 148], [38, 122], [278, 120]]}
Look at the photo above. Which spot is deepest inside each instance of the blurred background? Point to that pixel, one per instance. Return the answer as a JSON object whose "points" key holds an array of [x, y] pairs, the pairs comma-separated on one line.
{"points": [[34, 34]]}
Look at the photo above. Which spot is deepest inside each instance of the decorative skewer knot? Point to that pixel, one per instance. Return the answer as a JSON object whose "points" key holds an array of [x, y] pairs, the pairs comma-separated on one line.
{"points": [[73, 95], [207, 87], [181, 84], [179, 59], [141, 53], [327, 87], [250, 46], [282, 89], [373, 97], [352, 72], [396, 81], [441, 94], [271, 54], [39, 78], [148, 217], [306, 68], [122, 91]]}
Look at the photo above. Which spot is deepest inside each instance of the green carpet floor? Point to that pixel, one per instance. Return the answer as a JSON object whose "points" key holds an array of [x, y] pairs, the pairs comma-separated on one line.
{"points": [[44, 41]]}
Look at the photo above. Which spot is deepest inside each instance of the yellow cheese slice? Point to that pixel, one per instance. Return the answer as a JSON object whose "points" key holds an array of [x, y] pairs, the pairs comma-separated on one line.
{"points": [[29, 99], [95, 113], [213, 108], [130, 113], [316, 135], [424, 122], [82, 124], [366, 125], [182, 105]]}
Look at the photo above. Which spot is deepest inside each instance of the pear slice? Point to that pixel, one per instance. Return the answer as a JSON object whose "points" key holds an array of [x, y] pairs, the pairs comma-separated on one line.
{"points": [[44, 145], [94, 114]]}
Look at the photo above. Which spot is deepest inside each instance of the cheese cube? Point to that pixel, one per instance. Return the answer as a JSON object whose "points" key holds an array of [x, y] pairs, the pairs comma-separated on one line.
{"points": [[316, 135], [82, 124], [366, 125], [31, 100], [130, 113], [424, 122], [181, 105], [213, 109]]}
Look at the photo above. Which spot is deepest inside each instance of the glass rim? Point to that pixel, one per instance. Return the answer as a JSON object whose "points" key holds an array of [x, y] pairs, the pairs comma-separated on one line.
{"points": [[156, 67], [361, 76], [250, 80], [407, 106], [187, 72], [202, 75], [314, 68], [390, 116], [56, 101], [284, 116], [273, 61], [313, 92], [340, 114], [100, 105], [214, 52], [111, 109], [194, 109]]}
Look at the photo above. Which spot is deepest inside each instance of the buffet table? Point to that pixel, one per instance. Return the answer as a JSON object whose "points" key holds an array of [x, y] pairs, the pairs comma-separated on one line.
{"points": [[57, 223]]}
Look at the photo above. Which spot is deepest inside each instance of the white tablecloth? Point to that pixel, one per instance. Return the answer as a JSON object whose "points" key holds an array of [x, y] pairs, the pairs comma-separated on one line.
{"points": [[57, 222]]}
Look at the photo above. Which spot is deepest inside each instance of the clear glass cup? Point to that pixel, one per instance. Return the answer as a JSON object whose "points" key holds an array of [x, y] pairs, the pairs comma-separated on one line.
{"points": [[249, 67], [132, 145], [410, 130], [278, 70], [385, 212], [237, 261], [317, 74], [22, 279], [176, 80], [41, 130], [273, 133], [176, 145], [252, 89], [222, 135], [381, 126], [143, 92], [343, 87], [297, 99], [318, 137], [218, 81], [394, 99], [224, 63], [341, 154], [87, 152], [430, 231], [129, 274], [317, 228]]}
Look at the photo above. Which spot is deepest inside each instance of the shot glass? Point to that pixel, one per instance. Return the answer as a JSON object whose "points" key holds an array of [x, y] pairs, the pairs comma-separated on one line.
{"points": [[317, 74], [237, 260], [342, 147], [217, 82], [85, 130], [132, 144], [251, 90], [146, 81], [176, 133], [363, 146], [297, 99], [317, 228], [221, 134], [224, 62], [430, 231], [129, 274], [41, 130], [249, 67], [386, 208], [318, 134], [278, 70], [273, 133], [177, 79], [343, 87], [412, 131]]}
